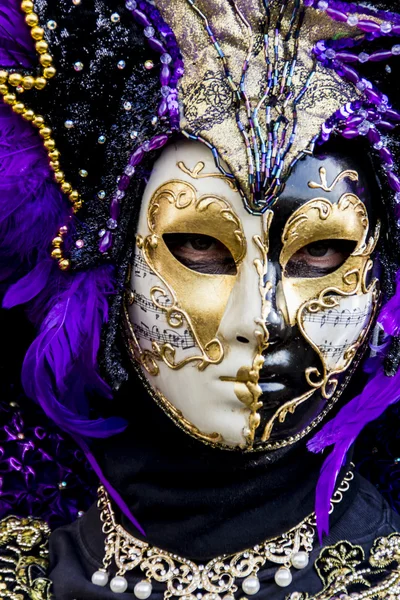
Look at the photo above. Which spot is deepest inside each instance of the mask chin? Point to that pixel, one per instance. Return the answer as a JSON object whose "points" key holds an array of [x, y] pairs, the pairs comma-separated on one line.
{"points": [[239, 347]]}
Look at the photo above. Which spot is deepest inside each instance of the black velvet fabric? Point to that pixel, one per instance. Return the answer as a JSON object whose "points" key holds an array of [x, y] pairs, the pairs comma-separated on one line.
{"points": [[76, 551], [196, 500]]}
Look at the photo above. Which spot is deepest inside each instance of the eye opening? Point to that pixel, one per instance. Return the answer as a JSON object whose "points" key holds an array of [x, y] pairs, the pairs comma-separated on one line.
{"points": [[319, 258], [201, 253]]}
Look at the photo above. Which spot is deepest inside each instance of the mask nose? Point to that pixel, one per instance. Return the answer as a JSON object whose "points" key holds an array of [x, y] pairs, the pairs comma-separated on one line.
{"points": [[278, 328]]}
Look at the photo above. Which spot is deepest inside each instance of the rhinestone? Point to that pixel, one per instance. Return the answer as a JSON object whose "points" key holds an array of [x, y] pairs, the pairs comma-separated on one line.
{"points": [[131, 4], [397, 198], [79, 243], [388, 69], [352, 20], [115, 18], [154, 120], [51, 25], [165, 91], [80, 514], [148, 64], [62, 484], [149, 31], [76, 2], [388, 167], [386, 27], [78, 66], [101, 139], [322, 5], [83, 173], [166, 58], [330, 53], [395, 49], [378, 145], [133, 135], [69, 124], [19, 89], [21, 436], [363, 57], [121, 64], [101, 194], [119, 194], [112, 224], [129, 170], [102, 232], [127, 106], [361, 85], [364, 127]]}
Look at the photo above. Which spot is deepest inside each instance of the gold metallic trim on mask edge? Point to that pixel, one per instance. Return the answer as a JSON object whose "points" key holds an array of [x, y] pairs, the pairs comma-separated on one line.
{"points": [[196, 173], [176, 415], [352, 175], [328, 300], [271, 446]]}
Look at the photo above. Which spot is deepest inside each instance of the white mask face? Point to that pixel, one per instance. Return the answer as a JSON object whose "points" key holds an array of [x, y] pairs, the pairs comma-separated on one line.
{"points": [[199, 331]]}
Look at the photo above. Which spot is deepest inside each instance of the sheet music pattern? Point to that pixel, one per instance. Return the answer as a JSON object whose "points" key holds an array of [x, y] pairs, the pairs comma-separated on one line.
{"points": [[149, 321], [184, 340], [335, 330], [140, 268]]}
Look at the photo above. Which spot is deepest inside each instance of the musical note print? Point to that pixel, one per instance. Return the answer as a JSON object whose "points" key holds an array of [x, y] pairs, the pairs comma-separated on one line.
{"points": [[184, 340], [335, 317], [335, 330], [147, 305], [140, 268]]}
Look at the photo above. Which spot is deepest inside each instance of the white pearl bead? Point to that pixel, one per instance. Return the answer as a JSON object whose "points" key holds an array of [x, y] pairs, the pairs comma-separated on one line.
{"points": [[251, 585], [283, 577], [143, 589], [118, 584], [100, 578], [300, 560]]}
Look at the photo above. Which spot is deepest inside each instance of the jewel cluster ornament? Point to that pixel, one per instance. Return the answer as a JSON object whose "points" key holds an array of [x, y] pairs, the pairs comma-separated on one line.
{"points": [[102, 57], [372, 116], [218, 579]]}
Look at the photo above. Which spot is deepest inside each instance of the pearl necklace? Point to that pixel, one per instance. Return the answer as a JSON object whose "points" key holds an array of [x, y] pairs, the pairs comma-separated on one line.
{"points": [[215, 580]]}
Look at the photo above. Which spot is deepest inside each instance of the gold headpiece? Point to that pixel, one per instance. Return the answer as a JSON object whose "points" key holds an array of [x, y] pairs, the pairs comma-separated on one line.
{"points": [[252, 89]]}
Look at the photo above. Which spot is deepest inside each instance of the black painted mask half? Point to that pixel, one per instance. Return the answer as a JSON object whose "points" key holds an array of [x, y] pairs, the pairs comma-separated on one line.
{"points": [[248, 327]]}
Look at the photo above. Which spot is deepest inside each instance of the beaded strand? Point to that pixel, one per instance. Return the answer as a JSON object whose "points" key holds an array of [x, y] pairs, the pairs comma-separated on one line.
{"points": [[372, 116], [171, 70]]}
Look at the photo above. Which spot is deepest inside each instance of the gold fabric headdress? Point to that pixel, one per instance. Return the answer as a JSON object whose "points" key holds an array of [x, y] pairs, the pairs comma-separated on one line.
{"points": [[252, 88]]}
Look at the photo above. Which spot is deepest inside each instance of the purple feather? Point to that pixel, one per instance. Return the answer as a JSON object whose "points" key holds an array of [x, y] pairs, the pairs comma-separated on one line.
{"points": [[16, 43], [380, 392], [31, 285], [389, 317], [60, 367]]}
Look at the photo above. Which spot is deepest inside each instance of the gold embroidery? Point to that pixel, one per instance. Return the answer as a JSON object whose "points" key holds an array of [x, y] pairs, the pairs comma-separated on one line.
{"points": [[24, 559], [346, 573]]}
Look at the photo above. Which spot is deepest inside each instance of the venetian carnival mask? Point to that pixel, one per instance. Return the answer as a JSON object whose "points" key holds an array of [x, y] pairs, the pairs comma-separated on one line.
{"points": [[246, 326]]}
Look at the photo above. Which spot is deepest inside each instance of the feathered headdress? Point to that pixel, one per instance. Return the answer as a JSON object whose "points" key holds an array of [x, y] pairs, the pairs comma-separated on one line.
{"points": [[91, 90]]}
